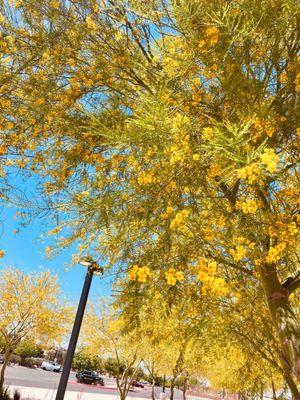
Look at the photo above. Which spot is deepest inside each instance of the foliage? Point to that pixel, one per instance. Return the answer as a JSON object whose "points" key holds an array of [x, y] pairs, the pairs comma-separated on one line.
{"points": [[106, 333], [28, 348], [85, 359], [170, 130], [29, 309], [112, 366]]}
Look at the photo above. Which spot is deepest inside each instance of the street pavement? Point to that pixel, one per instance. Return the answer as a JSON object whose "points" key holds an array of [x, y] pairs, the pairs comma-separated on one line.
{"points": [[37, 378]]}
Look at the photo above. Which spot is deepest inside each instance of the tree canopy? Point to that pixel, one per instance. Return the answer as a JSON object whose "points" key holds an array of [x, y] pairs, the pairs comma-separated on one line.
{"points": [[166, 134]]}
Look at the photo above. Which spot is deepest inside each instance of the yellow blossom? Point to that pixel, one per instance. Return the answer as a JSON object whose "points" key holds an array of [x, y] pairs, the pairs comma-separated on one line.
{"points": [[250, 173], [238, 253], [146, 178], [207, 133], [248, 206], [91, 24], [179, 220], [275, 252], [297, 82], [269, 159]]}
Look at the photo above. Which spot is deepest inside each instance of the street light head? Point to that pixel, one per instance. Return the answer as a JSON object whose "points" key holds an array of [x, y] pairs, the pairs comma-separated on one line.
{"points": [[85, 263], [91, 265]]}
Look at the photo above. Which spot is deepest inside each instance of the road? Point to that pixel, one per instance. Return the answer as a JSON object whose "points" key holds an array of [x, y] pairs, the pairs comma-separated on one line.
{"points": [[37, 378]]}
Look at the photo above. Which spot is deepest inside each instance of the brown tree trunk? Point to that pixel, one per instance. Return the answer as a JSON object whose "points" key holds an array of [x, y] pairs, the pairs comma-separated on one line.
{"points": [[285, 323], [3, 368], [164, 384], [184, 389], [274, 391], [153, 389], [172, 389]]}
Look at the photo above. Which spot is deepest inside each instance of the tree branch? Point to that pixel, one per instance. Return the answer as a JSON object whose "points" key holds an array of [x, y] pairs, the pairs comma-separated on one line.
{"points": [[292, 283]]}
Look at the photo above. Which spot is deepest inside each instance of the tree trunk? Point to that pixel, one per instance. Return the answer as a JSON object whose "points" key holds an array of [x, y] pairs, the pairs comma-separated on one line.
{"points": [[153, 389], [4, 365], [164, 384], [184, 389], [285, 322], [262, 391], [172, 389], [291, 384], [274, 390]]}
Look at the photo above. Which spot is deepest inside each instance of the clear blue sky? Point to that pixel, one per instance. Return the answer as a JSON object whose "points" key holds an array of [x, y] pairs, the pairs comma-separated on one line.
{"points": [[26, 250]]}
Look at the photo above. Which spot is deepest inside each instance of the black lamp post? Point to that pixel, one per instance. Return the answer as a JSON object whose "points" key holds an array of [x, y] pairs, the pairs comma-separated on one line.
{"points": [[92, 268]]}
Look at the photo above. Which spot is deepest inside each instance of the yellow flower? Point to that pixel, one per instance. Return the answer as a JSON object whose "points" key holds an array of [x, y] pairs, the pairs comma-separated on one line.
{"points": [[142, 274], [270, 160], [207, 133], [275, 253], [248, 206], [238, 253], [297, 82], [196, 157], [132, 272], [139, 273], [146, 178], [172, 276], [180, 276], [178, 222], [91, 24], [250, 173], [212, 35]]}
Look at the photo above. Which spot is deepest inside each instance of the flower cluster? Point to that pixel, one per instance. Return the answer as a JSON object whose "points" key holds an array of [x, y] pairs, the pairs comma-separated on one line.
{"points": [[216, 286], [297, 82], [262, 127], [248, 206], [270, 160], [146, 178], [139, 273], [211, 37], [178, 222], [250, 173], [238, 253], [206, 269], [172, 276], [207, 133], [285, 231], [167, 213], [275, 252]]}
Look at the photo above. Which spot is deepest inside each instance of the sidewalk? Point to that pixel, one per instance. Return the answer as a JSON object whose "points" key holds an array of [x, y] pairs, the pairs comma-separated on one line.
{"points": [[49, 394]]}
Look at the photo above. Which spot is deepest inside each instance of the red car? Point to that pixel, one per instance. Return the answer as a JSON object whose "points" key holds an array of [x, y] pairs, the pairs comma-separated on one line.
{"points": [[137, 384]]}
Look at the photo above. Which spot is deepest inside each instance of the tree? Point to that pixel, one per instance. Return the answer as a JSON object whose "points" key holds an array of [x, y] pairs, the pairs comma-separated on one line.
{"points": [[84, 358], [29, 308], [28, 348], [106, 333], [170, 130], [170, 323], [112, 366]]}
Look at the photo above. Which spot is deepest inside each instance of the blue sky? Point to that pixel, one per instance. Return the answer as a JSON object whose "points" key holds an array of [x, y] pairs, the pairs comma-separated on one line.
{"points": [[26, 250]]}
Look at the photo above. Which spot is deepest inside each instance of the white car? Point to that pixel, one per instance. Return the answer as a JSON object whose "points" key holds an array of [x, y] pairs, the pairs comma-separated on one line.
{"points": [[51, 366]]}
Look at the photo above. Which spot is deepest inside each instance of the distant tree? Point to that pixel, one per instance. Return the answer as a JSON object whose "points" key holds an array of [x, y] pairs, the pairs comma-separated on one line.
{"points": [[29, 307], [108, 333], [112, 366], [29, 348], [85, 359]]}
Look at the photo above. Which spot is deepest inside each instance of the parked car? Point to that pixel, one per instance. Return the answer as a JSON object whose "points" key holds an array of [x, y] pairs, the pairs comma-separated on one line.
{"points": [[137, 384], [51, 366], [1, 359], [90, 377]]}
